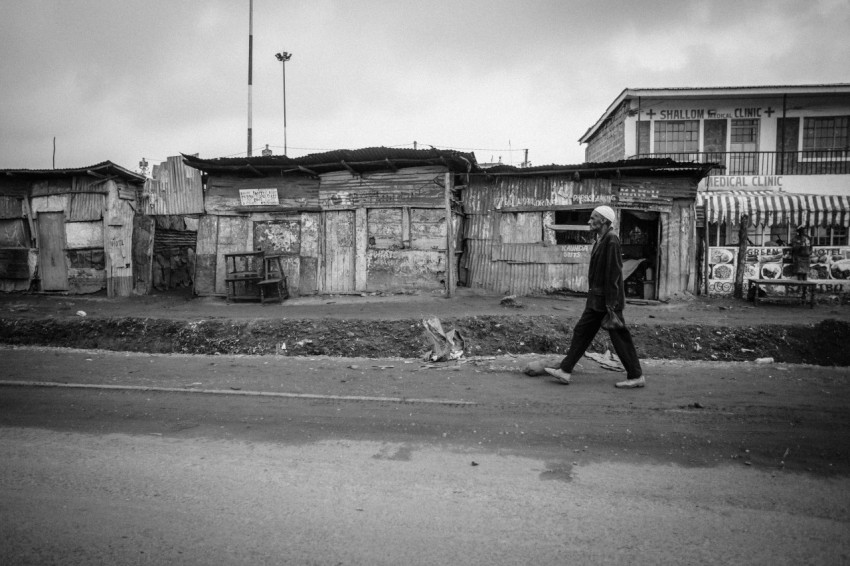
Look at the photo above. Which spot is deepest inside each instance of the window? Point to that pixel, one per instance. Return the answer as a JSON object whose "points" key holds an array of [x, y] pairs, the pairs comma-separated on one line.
{"points": [[755, 235], [677, 136], [825, 133], [717, 234], [820, 236], [577, 218], [832, 236], [743, 143], [745, 131], [826, 139]]}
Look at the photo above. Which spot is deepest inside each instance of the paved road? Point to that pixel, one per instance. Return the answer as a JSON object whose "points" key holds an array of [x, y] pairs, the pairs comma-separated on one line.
{"points": [[252, 460]]}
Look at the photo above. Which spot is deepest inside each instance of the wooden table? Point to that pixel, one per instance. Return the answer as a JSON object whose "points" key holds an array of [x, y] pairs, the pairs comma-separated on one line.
{"points": [[789, 285], [244, 270]]}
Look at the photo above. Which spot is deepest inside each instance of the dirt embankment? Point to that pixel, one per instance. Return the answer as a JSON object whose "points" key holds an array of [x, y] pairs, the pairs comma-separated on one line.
{"points": [[821, 343]]}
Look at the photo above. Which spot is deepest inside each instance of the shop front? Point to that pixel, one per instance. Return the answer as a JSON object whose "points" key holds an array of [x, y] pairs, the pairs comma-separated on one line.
{"points": [[526, 229], [771, 220]]}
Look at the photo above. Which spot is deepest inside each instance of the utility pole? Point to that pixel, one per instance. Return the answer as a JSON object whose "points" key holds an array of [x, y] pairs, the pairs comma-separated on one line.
{"points": [[250, 65], [283, 57]]}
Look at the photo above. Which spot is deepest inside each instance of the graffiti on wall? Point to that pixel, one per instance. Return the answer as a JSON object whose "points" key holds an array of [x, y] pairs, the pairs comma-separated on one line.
{"points": [[830, 267]]}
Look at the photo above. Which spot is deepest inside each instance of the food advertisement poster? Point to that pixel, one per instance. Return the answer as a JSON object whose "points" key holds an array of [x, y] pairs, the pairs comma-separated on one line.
{"points": [[830, 268]]}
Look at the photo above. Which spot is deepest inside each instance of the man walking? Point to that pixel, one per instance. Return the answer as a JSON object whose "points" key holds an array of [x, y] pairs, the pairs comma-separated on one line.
{"points": [[606, 293]]}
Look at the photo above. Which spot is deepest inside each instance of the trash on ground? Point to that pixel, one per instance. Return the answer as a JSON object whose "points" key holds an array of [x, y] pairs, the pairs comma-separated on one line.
{"points": [[607, 360], [81, 313], [537, 367], [764, 360], [445, 346], [511, 301]]}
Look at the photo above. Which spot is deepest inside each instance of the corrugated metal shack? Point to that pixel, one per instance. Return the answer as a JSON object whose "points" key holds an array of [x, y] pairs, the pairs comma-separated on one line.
{"points": [[344, 221], [67, 230], [166, 228], [510, 248]]}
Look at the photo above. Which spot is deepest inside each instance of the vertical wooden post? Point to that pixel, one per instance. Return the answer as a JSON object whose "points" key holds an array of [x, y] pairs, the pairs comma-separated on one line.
{"points": [[706, 245], [742, 257], [450, 239]]}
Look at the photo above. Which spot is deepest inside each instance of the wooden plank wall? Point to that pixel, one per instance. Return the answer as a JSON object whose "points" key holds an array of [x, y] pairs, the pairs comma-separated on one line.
{"points": [[294, 193], [206, 254], [382, 231], [118, 243]]}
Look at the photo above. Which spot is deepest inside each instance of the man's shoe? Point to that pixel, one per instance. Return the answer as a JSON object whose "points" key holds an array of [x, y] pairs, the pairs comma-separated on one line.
{"points": [[559, 374], [631, 383]]}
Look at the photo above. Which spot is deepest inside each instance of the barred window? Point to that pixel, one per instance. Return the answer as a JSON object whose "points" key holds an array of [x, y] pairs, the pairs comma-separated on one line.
{"points": [[680, 136]]}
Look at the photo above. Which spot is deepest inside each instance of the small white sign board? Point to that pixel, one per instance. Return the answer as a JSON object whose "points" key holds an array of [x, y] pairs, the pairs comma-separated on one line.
{"points": [[254, 197]]}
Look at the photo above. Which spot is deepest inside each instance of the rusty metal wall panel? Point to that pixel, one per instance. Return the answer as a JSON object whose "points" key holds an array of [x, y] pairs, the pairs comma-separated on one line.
{"points": [[384, 227], [13, 234], [428, 228], [521, 227], [10, 207], [538, 253], [86, 206], [479, 226], [278, 236], [206, 256], [175, 189], [83, 235], [414, 186], [520, 278], [485, 194], [397, 270]]}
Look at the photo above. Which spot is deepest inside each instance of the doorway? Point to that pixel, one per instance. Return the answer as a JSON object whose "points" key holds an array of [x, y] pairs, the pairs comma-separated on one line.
{"points": [[52, 265], [339, 251], [639, 236]]}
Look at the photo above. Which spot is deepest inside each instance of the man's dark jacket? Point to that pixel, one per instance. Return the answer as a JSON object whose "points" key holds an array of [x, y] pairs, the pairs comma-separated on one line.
{"points": [[605, 276]]}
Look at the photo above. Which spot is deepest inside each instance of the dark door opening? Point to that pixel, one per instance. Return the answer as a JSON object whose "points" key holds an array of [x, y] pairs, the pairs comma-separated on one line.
{"points": [[639, 239]]}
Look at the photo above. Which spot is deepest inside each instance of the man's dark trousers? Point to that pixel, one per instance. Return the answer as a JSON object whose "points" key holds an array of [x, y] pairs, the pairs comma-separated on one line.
{"points": [[584, 333]]}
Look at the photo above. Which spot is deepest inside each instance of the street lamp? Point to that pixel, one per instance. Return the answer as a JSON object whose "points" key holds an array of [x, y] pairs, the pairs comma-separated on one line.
{"points": [[283, 57]]}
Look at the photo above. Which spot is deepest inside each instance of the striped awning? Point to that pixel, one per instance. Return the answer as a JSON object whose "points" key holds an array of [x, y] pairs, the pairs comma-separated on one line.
{"points": [[771, 208]]}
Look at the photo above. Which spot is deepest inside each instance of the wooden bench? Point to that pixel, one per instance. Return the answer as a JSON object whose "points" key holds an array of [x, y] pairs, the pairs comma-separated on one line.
{"points": [[789, 285]]}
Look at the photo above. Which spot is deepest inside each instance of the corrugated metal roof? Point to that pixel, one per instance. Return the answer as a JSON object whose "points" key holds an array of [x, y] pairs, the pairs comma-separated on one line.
{"points": [[611, 169], [358, 161], [105, 168]]}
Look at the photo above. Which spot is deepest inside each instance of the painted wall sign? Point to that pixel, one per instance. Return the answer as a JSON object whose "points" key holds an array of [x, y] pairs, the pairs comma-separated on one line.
{"points": [[430, 193], [707, 113], [258, 197], [744, 182], [830, 268]]}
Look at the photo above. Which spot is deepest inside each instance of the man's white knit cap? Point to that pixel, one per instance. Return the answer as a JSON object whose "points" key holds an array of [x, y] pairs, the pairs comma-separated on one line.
{"points": [[606, 212]]}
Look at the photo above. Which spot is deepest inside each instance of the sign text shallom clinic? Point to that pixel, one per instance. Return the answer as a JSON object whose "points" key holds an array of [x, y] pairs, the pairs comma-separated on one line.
{"points": [[707, 113], [744, 182]]}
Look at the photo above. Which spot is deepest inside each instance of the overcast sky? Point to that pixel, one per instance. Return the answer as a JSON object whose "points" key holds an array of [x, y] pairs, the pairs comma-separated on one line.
{"points": [[120, 80]]}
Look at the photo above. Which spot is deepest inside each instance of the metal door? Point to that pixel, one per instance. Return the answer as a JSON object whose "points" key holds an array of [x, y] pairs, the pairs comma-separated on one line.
{"points": [[52, 265], [339, 251]]}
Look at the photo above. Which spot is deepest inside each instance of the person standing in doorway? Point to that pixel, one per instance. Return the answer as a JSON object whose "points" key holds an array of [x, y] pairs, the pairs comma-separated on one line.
{"points": [[605, 297]]}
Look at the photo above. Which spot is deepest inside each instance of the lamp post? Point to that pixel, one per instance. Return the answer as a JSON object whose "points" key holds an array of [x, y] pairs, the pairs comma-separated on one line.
{"points": [[283, 57]]}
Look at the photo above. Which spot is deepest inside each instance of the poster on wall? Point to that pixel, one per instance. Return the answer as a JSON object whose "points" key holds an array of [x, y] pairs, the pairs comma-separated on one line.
{"points": [[830, 267]]}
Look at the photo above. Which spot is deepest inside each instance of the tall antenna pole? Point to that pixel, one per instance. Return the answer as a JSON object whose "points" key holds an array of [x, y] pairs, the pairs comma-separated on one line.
{"points": [[250, 65], [283, 57]]}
